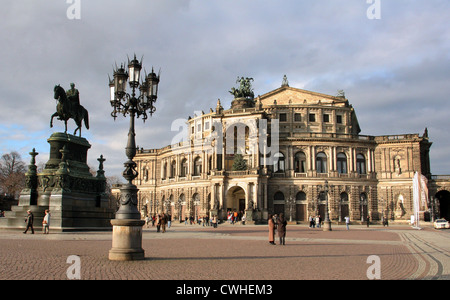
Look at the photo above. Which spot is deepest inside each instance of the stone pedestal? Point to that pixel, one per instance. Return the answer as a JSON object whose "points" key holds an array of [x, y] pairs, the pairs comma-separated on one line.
{"points": [[127, 240], [77, 200], [326, 226]]}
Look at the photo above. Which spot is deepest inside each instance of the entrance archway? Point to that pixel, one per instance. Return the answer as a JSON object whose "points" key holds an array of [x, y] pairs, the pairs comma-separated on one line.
{"points": [[443, 200], [235, 199]]}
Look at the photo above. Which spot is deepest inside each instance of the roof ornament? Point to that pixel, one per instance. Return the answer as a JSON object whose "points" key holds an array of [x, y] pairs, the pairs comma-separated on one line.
{"points": [[285, 81]]}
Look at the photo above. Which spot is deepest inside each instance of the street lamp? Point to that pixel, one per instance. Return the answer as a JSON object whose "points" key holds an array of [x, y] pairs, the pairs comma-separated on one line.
{"points": [[127, 226], [327, 222], [363, 203], [291, 202]]}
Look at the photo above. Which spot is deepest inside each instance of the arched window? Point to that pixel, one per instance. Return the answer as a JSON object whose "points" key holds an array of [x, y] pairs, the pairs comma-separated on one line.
{"points": [[173, 169], [300, 162], [184, 168], [301, 196], [342, 163], [360, 164], [164, 171], [197, 166], [278, 164], [278, 196], [321, 162]]}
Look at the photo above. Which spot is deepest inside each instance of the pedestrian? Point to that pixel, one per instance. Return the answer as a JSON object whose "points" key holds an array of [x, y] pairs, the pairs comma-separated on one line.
{"points": [[282, 229], [158, 223], [271, 230], [163, 222], [311, 222], [368, 221], [318, 221], [347, 221], [169, 220], [29, 220], [214, 221], [385, 221], [46, 222]]}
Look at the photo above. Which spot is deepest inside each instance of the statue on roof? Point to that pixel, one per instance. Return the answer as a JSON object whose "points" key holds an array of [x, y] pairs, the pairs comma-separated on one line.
{"points": [[245, 89], [285, 81]]}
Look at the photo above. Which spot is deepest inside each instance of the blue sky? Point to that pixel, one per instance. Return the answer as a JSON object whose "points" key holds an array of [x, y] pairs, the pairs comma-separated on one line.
{"points": [[394, 70]]}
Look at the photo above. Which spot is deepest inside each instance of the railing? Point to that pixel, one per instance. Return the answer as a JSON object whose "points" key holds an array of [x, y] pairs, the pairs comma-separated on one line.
{"points": [[440, 177]]}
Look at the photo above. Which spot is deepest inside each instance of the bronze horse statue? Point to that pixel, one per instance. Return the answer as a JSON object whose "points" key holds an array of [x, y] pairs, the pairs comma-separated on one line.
{"points": [[67, 109]]}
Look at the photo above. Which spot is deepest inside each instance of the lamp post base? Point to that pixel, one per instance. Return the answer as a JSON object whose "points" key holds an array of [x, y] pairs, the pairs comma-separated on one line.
{"points": [[326, 226], [127, 240]]}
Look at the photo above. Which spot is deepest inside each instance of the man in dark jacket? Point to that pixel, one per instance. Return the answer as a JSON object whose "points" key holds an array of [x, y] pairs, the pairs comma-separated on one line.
{"points": [[29, 220]]}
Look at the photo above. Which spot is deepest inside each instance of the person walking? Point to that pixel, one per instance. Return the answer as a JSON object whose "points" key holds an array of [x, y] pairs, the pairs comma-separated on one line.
{"points": [[163, 222], [368, 221], [46, 222], [282, 229], [169, 220], [271, 230], [347, 221], [29, 220]]}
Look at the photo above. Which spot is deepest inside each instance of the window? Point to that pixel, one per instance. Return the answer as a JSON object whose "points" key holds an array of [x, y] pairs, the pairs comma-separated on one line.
{"points": [[297, 117], [164, 174], [184, 168], [300, 162], [360, 164], [199, 127], [342, 163], [339, 119], [278, 165], [197, 166], [326, 118], [321, 163], [283, 118], [301, 196], [207, 126], [312, 117], [173, 169], [278, 196]]}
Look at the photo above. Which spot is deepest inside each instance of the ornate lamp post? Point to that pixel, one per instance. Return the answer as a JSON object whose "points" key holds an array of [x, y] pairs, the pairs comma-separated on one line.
{"points": [[127, 226], [363, 203], [291, 202], [326, 222]]}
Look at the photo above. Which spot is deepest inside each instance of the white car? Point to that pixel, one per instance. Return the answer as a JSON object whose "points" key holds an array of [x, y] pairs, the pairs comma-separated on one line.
{"points": [[441, 223]]}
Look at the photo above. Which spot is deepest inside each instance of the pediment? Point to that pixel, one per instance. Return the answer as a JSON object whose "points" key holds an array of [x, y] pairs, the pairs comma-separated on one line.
{"points": [[286, 95]]}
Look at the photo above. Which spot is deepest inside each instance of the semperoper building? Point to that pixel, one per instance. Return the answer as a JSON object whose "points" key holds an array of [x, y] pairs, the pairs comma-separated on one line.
{"points": [[288, 150]]}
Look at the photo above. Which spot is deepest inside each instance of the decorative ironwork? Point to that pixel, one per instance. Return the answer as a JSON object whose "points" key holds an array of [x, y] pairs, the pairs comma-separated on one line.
{"points": [[136, 106]]}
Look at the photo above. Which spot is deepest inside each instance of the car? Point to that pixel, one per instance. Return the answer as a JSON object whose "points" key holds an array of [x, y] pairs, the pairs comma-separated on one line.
{"points": [[441, 223]]}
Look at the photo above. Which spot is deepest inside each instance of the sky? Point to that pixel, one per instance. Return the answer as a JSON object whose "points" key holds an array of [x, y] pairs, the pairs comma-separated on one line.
{"points": [[391, 57]]}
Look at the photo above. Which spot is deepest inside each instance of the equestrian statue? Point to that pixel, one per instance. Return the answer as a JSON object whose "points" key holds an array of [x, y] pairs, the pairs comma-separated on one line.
{"points": [[69, 107]]}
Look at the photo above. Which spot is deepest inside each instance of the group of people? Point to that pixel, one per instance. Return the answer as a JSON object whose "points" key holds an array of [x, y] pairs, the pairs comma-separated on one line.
{"points": [[45, 222], [160, 220], [315, 221], [233, 217], [277, 224]]}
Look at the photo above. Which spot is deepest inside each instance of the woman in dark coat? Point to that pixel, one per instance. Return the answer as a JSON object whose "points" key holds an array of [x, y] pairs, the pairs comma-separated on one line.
{"points": [[271, 230], [282, 229]]}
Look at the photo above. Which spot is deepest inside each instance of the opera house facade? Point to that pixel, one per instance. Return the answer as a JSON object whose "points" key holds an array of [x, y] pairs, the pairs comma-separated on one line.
{"points": [[292, 151]]}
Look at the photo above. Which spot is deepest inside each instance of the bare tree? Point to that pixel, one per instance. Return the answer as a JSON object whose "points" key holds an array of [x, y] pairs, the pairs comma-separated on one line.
{"points": [[12, 174]]}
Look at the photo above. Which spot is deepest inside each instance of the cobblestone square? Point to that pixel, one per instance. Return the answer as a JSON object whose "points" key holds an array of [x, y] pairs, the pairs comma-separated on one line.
{"points": [[233, 252]]}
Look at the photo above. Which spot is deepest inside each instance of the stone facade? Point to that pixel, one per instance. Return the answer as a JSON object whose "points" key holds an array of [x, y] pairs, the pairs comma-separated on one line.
{"points": [[319, 141]]}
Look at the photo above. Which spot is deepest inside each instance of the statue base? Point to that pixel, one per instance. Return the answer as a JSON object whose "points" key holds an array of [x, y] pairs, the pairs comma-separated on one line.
{"points": [[77, 200], [127, 240], [326, 226]]}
